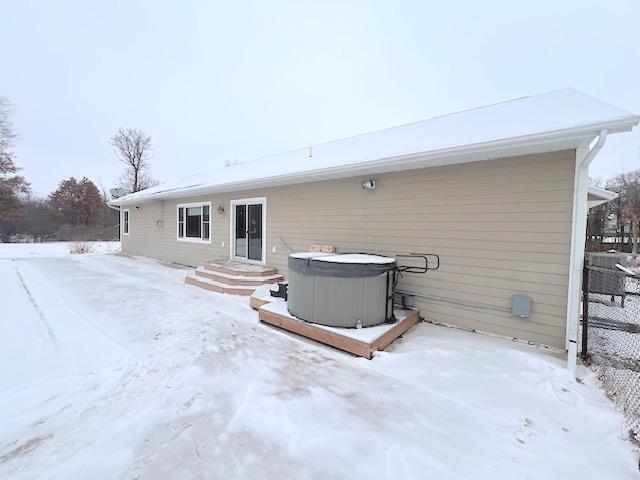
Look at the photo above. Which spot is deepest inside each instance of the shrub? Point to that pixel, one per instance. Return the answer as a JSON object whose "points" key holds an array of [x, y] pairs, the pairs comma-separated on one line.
{"points": [[80, 247]]}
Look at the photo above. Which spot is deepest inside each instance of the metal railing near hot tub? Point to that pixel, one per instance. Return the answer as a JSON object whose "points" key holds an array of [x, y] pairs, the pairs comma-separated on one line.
{"points": [[395, 274]]}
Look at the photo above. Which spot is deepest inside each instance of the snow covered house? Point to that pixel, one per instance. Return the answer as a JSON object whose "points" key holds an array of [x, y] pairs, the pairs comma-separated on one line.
{"points": [[499, 192]]}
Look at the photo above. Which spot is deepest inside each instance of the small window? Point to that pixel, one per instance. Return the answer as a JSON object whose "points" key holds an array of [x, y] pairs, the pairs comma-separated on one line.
{"points": [[205, 222], [125, 222], [180, 222], [194, 222]]}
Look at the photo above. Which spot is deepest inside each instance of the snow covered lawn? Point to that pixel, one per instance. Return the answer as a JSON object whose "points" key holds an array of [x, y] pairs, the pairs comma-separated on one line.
{"points": [[112, 368], [51, 249]]}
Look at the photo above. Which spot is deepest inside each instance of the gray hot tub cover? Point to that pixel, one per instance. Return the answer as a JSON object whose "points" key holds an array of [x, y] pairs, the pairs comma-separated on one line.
{"points": [[340, 265]]}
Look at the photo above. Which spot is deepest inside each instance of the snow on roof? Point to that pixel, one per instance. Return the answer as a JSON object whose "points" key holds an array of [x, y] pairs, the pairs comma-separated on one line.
{"points": [[555, 120]]}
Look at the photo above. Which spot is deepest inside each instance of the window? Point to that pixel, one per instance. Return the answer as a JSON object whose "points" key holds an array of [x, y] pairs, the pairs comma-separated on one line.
{"points": [[125, 221], [194, 222]]}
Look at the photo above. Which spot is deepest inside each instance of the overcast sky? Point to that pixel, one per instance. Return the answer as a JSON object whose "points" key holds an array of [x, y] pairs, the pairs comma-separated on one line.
{"points": [[215, 81]]}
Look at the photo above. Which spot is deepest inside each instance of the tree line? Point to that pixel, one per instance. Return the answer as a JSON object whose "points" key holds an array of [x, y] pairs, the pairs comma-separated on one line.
{"points": [[616, 224], [77, 209]]}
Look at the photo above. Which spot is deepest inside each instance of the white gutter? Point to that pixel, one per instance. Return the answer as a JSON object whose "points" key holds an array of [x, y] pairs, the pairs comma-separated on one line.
{"points": [[584, 156]]}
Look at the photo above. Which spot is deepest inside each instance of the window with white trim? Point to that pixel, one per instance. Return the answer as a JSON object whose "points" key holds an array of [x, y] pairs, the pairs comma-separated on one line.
{"points": [[125, 221], [194, 222]]}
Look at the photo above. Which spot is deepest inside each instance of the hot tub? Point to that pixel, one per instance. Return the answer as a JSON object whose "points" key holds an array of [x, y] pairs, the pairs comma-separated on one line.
{"points": [[339, 290]]}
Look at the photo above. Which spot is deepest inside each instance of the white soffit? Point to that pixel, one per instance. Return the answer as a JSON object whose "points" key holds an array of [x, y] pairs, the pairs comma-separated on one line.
{"points": [[597, 196]]}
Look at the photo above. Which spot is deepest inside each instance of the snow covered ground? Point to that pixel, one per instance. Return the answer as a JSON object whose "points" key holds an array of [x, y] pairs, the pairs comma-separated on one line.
{"points": [[112, 368], [51, 249]]}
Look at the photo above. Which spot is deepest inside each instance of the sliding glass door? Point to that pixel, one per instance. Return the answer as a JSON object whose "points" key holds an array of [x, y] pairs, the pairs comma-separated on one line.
{"points": [[240, 241], [248, 230], [254, 231]]}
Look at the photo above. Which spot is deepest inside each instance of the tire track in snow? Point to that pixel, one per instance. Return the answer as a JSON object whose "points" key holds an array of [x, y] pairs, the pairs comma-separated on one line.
{"points": [[43, 319], [62, 297]]}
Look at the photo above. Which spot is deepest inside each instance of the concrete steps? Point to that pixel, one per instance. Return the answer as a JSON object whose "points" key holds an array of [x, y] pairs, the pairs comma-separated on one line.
{"points": [[232, 277]]}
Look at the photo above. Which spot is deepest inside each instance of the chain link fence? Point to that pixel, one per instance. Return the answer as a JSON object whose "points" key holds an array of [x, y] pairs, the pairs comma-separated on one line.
{"points": [[611, 330]]}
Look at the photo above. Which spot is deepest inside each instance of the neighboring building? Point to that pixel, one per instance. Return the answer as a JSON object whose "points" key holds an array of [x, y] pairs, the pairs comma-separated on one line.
{"points": [[499, 192]]}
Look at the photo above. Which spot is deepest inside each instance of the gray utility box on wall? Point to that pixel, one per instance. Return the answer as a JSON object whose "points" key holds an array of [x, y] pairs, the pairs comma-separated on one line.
{"points": [[521, 306]]}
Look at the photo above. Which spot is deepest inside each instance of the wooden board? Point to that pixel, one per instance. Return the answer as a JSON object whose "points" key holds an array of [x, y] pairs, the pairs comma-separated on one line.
{"points": [[397, 331], [323, 248], [256, 303], [338, 340]]}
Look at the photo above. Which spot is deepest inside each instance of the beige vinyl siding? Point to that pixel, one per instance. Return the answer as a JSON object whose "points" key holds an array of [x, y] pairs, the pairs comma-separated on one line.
{"points": [[501, 227]]}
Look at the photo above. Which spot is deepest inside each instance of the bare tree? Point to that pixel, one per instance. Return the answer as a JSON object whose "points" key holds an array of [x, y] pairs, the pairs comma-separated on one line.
{"points": [[597, 218], [13, 187], [7, 135], [38, 223], [133, 148], [596, 225], [627, 185]]}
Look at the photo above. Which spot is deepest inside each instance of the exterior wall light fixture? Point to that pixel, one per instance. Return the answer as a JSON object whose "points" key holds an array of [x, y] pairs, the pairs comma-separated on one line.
{"points": [[369, 184]]}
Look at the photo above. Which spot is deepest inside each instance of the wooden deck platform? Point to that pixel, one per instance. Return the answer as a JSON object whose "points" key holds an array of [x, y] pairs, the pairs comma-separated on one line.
{"points": [[261, 296], [362, 342]]}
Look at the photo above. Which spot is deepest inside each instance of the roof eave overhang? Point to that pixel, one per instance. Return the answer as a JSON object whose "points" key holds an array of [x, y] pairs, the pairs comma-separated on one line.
{"points": [[598, 196], [523, 145]]}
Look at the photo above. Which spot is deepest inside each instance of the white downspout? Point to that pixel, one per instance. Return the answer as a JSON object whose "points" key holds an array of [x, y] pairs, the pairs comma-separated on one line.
{"points": [[584, 157]]}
